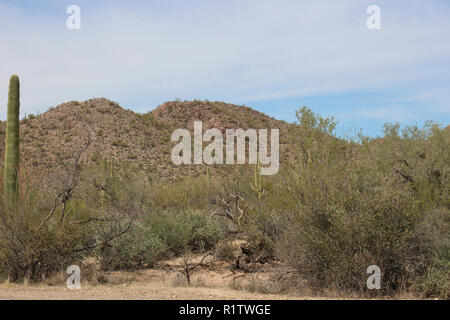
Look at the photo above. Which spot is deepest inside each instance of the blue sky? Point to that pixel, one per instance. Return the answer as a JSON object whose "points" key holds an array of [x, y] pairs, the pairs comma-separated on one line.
{"points": [[272, 55]]}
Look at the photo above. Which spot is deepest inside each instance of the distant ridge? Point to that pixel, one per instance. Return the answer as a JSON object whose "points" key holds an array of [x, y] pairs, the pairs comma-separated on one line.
{"points": [[141, 140]]}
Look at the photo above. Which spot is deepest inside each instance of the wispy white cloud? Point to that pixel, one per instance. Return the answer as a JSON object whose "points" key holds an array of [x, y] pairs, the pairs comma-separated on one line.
{"points": [[142, 53], [436, 100]]}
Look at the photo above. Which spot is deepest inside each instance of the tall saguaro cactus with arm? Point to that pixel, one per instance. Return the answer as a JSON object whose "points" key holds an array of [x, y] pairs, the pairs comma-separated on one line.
{"points": [[257, 184], [12, 154]]}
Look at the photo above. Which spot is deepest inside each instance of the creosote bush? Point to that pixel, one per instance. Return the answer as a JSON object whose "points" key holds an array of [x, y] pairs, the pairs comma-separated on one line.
{"points": [[141, 247], [186, 230]]}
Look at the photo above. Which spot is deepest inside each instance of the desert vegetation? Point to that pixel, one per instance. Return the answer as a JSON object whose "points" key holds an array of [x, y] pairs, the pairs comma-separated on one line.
{"points": [[337, 206]]}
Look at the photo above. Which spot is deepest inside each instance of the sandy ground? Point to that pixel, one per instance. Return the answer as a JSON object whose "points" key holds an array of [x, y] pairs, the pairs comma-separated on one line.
{"points": [[144, 284], [141, 292], [217, 281]]}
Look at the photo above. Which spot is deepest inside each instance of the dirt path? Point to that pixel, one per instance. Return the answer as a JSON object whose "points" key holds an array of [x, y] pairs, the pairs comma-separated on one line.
{"points": [[124, 292], [144, 284]]}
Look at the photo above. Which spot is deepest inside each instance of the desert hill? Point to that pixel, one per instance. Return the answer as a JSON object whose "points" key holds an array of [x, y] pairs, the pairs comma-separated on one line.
{"points": [[141, 140]]}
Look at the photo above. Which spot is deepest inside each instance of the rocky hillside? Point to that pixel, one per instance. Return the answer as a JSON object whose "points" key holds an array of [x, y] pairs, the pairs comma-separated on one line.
{"points": [[141, 140]]}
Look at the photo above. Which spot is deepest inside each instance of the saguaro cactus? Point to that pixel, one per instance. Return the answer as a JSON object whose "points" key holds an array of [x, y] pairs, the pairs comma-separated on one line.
{"points": [[112, 170], [109, 175], [257, 185], [12, 154]]}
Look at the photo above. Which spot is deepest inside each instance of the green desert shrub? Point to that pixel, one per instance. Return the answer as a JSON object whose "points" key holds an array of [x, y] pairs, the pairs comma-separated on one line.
{"points": [[138, 247], [263, 226], [418, 157], [50, 228], [192, 193], [348, 205], [32, 255], [186, 230], [436, 280], [31, 249], [331, 243]]}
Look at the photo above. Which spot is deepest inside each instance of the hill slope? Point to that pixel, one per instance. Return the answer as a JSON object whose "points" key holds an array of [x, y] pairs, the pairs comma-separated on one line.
{"points": [[141, 140]]}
